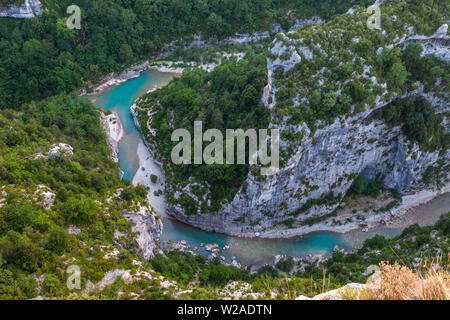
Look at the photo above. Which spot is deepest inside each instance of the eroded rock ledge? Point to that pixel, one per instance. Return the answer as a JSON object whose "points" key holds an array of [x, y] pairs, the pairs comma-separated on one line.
{"points": [[29, 9], [328, 161]]}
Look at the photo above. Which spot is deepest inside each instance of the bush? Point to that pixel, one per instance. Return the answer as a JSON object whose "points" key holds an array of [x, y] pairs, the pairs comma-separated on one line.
{"points": [[53, 286], [57, 240], [79, 211], [286, 265], [20, 250]]}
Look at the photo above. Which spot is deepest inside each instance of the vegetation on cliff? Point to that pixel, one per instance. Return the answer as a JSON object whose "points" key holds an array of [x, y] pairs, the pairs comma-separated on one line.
{"points": [[344, 73], [59, 208], [229, 97]]}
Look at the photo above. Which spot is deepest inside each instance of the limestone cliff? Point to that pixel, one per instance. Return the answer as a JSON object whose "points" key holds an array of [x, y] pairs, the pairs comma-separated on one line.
{"points": [[29, 9]]}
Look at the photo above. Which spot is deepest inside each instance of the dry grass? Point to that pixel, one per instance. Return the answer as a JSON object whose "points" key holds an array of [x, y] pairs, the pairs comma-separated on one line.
{"points": [[401, 283]]}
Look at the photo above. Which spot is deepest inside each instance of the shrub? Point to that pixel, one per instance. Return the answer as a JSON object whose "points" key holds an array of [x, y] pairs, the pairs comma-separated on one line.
{"points": [[286, 265]]}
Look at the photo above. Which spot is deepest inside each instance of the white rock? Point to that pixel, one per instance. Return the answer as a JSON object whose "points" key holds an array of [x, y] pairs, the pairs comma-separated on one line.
{"points": [[73, 229], [29, 9], [442, 30]]}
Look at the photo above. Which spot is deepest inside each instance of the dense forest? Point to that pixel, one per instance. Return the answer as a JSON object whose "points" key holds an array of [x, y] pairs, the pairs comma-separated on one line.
{"points": [[41, 57]]}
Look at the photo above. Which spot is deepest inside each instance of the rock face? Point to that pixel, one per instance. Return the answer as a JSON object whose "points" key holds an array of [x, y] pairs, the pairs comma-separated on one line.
{"points": [[353, 289], [57, 151], [327, 163], [148, 227], [29, 9]]}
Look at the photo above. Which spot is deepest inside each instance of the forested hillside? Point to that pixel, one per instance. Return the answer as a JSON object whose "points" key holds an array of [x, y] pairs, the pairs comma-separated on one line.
{"points": [[7, 3], [41, 57]]}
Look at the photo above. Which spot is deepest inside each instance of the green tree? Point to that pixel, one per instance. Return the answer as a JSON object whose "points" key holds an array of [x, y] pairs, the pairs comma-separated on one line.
{"points": [[125, 52], [57, 240], [397, 76], [360, 185]]}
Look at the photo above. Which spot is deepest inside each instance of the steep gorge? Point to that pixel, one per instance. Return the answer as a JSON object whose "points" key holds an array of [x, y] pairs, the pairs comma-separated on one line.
{"points": [[331, 154]]}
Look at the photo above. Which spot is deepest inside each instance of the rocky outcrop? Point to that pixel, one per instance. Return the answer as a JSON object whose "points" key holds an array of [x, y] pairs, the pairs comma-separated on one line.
{"points": [[324, 163], [436, 44], [148, 227], [29, 9], [114, 131]]}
